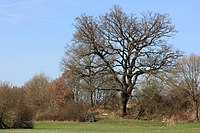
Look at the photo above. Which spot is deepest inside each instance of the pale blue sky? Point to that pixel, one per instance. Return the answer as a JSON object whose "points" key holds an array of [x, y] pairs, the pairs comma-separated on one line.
{"points": [[33, 33]]}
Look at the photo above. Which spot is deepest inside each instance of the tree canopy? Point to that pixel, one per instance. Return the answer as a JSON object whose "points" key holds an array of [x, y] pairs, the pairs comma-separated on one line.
{"points": [[128, 46]]}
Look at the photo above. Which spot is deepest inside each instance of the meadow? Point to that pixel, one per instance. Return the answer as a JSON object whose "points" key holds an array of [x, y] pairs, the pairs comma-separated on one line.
{"points": [[109, 125]]}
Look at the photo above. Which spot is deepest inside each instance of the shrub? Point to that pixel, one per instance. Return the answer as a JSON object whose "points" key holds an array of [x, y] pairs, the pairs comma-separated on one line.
{"points": [[2, 121], [24, 124], [71, 111], [23, 116], [14, 110]]}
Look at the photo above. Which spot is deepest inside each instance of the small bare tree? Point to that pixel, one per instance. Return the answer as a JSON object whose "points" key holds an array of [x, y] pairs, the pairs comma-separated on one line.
{"points": [[39, 92], [187, 78], [129, 46]]}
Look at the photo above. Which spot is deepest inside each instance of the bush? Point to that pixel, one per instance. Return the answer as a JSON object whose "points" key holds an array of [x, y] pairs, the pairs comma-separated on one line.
{"points": [[23, 116], [14, 110], [71, 111], [3, 124], [24, 124]]}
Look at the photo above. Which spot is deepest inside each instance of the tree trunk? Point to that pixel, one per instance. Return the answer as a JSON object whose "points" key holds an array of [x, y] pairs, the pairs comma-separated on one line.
{"points": [[141, 112], [91, 99], [124, 101], [197, 110]]}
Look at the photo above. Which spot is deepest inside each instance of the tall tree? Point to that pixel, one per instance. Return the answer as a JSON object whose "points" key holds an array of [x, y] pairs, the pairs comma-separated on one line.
{"points": [[127, 45]]}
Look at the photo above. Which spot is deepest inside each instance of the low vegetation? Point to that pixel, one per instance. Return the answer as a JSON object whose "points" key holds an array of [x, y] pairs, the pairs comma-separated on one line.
{"points": [[15, 112]]}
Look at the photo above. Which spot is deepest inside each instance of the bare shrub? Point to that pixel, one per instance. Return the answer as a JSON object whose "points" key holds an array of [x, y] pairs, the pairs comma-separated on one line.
{"points": [[14, 110], [3, 124], [6, 104], [69, 112], [73, 112], [23, 112]]}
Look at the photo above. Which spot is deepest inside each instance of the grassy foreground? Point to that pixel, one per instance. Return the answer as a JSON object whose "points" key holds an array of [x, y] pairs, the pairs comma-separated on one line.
{"points": [[109, 125]]}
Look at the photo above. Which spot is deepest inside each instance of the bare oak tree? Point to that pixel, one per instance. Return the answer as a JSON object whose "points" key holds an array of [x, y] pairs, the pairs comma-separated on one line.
{"points": [[128, 46]]}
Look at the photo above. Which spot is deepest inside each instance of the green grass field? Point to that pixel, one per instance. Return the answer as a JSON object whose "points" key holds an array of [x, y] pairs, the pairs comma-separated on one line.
{"points": [[109, 125]]}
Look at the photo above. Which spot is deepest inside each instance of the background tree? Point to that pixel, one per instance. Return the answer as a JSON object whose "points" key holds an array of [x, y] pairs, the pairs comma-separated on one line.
{"points": [[129, 46], [62, 94], [88, 73], [103, 94], [179, 106], [149, 99], [186, 78], [40, 93], [73, 83]]}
